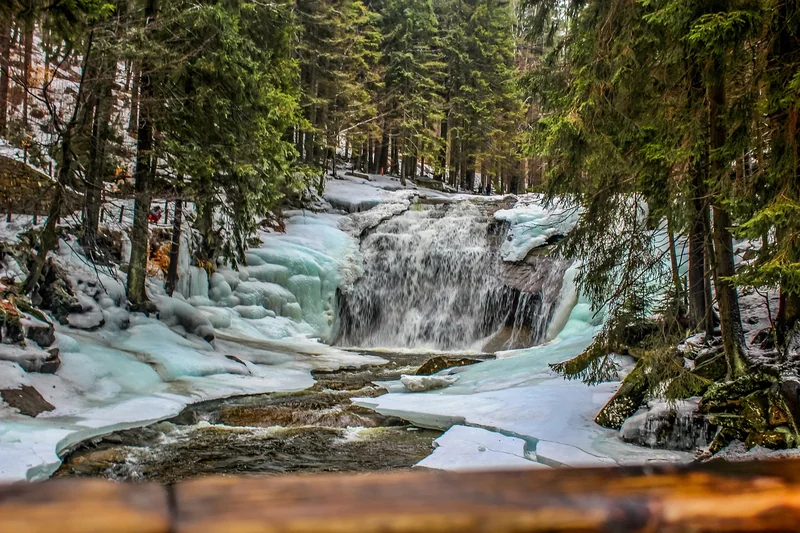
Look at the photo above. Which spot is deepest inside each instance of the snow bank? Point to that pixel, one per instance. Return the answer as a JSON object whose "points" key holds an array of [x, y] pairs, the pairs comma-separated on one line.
{"points": [[532, 224]]}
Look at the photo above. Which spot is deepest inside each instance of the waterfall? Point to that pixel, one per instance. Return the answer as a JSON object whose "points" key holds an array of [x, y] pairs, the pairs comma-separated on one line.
{"points": [[433, 278]]}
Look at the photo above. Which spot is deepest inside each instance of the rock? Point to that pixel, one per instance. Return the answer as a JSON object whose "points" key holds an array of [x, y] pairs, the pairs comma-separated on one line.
{"points": [[29, 358], [27, 400], [440, 362], [726, 397], [625, 402], [425, 383], [713, 368], [42, 333], [52, 363], [784, 399], [679, 426], [776, 439]]}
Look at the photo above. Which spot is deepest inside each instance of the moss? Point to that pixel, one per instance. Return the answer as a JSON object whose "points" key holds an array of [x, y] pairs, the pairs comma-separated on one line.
{"points": [[730, 391], [626, 401], [713, 368]]}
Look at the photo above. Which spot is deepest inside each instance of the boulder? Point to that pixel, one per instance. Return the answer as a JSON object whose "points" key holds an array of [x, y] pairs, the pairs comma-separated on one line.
{"points": [[671, 426], [440, 362], [27, 400]]}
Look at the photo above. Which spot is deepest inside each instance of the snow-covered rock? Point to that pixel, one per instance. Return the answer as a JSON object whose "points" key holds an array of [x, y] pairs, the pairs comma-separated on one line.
{"points": [[424, 383]]}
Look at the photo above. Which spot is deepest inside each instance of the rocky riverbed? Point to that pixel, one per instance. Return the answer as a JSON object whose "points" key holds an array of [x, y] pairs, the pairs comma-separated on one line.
{"points": [[315, 430]]}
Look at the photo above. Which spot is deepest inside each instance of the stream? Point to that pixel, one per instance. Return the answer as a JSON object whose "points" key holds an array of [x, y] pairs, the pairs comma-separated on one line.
{"points": [[315, 430]]}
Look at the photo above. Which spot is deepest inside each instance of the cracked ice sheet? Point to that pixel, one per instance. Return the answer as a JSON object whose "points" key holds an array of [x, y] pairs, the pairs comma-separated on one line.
{"points": [[520, 396], [464, 448]]}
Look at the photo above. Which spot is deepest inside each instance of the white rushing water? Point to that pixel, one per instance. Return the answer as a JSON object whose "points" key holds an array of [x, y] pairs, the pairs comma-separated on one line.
{"points": [[434, 278]]}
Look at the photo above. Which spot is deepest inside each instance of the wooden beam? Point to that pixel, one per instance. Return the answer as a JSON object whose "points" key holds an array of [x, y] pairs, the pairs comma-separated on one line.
{"points": [[726, 497], [79, 506], [717, 496]]}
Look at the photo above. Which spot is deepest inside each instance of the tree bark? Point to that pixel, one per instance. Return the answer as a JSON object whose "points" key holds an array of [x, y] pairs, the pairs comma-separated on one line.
{"points": [[145, 170], [175, 247], [133, 121], [383, 159], [26, 76], [699, 307], [395, 157], [5, 61], [97, 153]]}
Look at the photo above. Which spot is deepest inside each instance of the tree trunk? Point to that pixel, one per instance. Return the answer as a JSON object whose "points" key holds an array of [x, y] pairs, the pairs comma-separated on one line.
{"points": [[145, 170], [26, 74], [673, 261], [395, 156], [383, 159], [97, 153], [443, 151], [5, 60], [699, 308], [133, 121], [175, 248], [729, 316]]}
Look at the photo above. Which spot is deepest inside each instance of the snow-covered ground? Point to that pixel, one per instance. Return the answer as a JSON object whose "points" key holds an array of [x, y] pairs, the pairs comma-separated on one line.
{"points": [[274, 316]]}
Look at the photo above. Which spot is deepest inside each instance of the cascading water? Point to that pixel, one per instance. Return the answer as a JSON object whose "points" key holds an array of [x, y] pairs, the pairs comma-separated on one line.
{"points": [[433, 278]]}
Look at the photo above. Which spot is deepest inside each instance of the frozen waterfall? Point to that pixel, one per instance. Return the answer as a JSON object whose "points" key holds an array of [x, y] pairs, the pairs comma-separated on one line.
{"points": [[434, 278]]}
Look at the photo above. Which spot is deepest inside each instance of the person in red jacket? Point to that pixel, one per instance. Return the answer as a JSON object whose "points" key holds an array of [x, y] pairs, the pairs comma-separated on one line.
{"points": [[154, 215]]}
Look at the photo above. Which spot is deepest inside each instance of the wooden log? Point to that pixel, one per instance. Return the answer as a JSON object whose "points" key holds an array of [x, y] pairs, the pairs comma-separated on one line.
{"points": [[357, 174], [714, 497], [90, 506]]}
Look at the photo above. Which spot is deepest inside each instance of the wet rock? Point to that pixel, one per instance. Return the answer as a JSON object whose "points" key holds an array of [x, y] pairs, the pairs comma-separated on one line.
{"points": [[625, 402], [440, 362], [92, 462], [678, 426], [27, 400]]}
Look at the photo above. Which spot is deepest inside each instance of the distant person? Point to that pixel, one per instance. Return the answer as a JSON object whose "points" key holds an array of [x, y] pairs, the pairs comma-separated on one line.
{"points": [[154, 215], [489, 189]]}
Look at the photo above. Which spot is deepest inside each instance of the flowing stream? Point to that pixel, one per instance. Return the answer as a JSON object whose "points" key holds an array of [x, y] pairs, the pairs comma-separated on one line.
{"points": [[432, 281]]}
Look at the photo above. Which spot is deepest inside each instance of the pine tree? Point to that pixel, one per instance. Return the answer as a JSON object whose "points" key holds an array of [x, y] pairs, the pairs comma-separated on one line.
{"points": [[414, 70]]}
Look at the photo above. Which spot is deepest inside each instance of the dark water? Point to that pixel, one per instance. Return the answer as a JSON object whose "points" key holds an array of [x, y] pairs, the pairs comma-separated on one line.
{"points": [[315, 430]]}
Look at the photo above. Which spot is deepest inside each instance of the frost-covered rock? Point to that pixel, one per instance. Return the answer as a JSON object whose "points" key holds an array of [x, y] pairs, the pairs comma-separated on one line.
{"points": [[29, 358], [424, 383], [678, 426]]}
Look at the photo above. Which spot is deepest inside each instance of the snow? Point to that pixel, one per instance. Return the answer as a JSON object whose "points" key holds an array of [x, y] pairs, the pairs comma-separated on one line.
{"points": [[532, 224], [465, 448]]}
